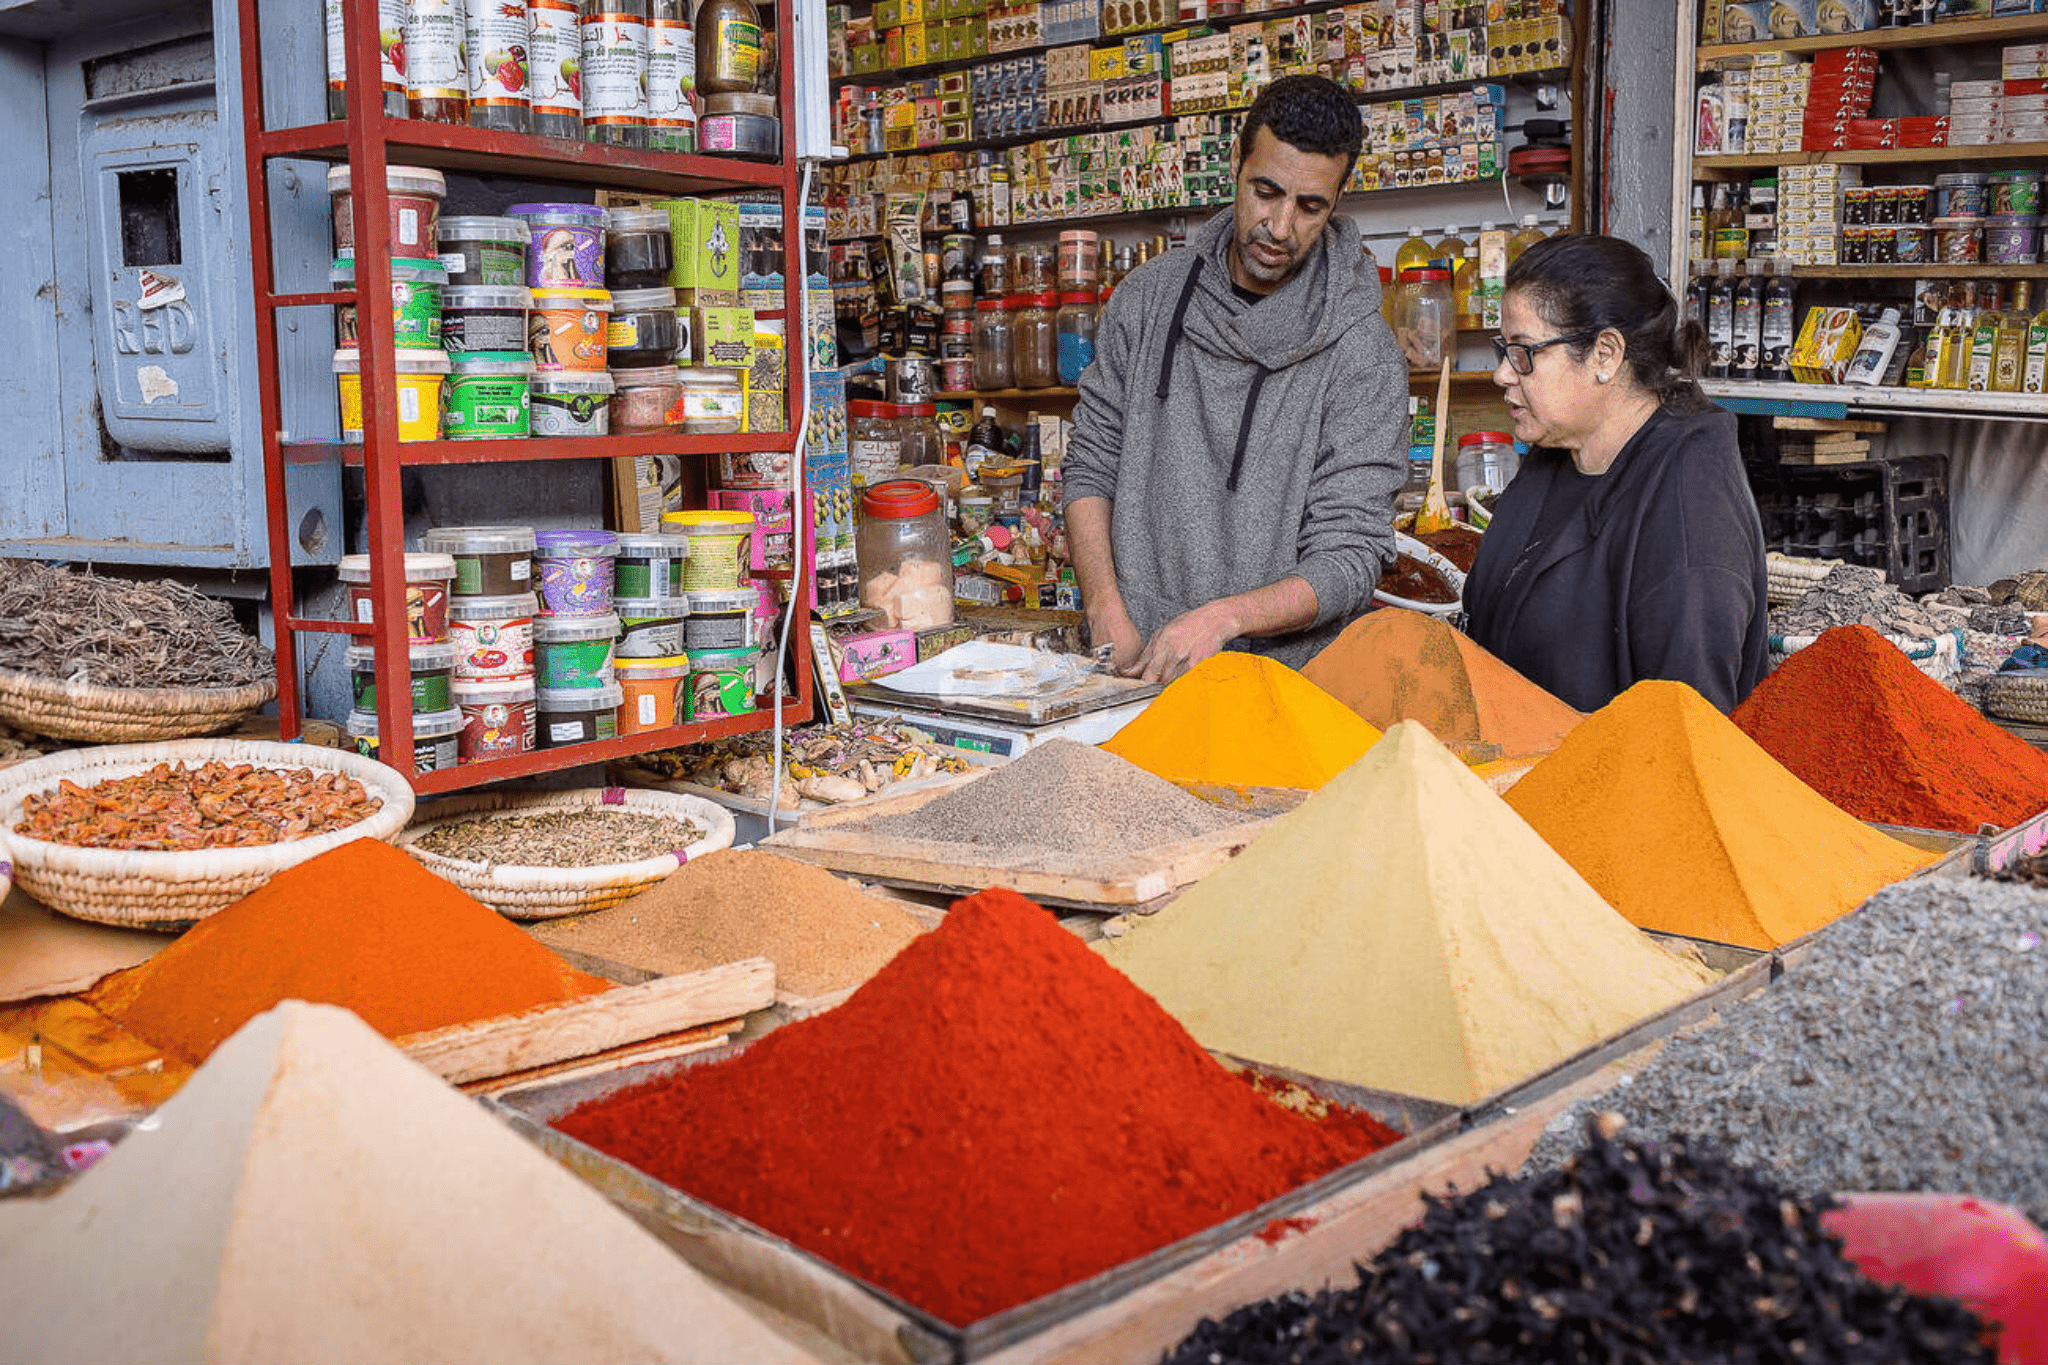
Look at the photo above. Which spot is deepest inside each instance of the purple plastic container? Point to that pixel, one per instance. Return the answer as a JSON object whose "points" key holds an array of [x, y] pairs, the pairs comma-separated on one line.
{"points": [[565, 245], [576, 568]]}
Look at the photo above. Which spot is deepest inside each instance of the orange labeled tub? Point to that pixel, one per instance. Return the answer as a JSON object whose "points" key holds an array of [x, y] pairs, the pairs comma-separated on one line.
{"points": [[656, 693], [566, 329]]}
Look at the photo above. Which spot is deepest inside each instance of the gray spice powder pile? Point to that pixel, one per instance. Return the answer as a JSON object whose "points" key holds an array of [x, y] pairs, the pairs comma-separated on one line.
{"points": [[1061, 804], [1908, 1051]]}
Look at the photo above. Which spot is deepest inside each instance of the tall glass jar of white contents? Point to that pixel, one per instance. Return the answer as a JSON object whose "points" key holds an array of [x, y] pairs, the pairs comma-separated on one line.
{"points": [[906, 560]]}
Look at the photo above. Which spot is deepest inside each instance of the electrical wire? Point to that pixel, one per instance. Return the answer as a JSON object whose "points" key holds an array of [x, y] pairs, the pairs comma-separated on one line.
{"points": [[799, 502]]}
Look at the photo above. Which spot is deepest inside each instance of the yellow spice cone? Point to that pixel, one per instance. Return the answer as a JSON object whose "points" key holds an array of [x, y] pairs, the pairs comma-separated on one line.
{"points": [[1686, 825], [1401, 929], [1244, 720]]}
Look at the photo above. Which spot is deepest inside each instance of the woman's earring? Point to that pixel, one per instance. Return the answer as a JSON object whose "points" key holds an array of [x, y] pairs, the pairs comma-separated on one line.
{"points": [[1602, 378]]}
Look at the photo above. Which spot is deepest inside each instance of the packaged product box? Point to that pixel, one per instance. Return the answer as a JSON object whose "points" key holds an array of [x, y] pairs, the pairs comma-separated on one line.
{"points": [[874, 654], [723, 336], [1827, 341], [706, 241], [761, 255]]}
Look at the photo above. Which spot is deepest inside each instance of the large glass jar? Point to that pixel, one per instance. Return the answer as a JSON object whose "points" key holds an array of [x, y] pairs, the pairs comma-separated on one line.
{"points": [[906, 556], [1486, 459], [1075, 325], [730, 58], [874, 441], [994, 364], [1423, 322], [919, 440], [1035, 342]]}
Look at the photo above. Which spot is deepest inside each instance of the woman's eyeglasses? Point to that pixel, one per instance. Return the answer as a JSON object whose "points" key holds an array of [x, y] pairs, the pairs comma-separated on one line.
{"points": [[1521, 356]]}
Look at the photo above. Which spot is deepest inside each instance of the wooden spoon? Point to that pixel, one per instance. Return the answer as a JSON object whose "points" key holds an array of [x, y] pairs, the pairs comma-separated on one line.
{"points": [[1436, 508]]}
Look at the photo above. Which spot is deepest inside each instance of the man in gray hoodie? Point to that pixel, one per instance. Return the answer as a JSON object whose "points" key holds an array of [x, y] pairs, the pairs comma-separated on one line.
{"points": [[1244, 428]]}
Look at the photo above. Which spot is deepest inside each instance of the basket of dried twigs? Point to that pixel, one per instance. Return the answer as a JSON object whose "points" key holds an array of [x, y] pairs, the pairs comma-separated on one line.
{"points": [[538, 855], [159, 836], [112, 661]]}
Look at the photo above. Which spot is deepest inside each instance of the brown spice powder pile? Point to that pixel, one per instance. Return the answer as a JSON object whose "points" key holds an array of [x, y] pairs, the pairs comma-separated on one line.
{"points": [[1059, 806], [822, 934]]}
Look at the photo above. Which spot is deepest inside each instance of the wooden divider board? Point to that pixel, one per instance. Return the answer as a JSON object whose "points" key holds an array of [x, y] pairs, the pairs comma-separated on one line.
{"points": [[1141, 882]]}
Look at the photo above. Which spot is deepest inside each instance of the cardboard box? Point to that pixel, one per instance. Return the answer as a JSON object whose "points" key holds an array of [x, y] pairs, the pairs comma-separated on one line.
{"points": [[874, 653], [723, 336], [706, 240]]}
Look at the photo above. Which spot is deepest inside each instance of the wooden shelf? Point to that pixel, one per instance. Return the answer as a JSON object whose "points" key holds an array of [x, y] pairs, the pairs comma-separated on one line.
{"points": [[1059, 394], [1947, 32], [1926, 271], [413, 454], [1726, 167]]}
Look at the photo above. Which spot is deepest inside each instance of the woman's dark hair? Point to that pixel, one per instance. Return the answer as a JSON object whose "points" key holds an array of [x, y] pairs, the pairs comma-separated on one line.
{"points": [[1311, 113], [1583, 282]]}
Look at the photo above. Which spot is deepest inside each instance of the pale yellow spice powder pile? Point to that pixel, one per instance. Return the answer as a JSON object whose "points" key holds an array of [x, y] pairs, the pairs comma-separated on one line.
{"points": [[1402, 929]]}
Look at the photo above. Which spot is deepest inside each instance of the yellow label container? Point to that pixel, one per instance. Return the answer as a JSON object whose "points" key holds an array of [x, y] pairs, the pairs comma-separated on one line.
{"points": [[421, 375]]}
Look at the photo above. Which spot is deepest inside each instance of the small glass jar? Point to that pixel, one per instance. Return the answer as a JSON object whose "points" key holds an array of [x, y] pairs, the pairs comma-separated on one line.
{"points": [[906, 555], [874, 441], [638, 252], [730, 56], [1423, 322], [956, 339], [994, 363], [645, 401], [1031, 270], [992, 271], [918, 436], [714, 401], [1077, 268], [1034, 343], [1075, 325]]}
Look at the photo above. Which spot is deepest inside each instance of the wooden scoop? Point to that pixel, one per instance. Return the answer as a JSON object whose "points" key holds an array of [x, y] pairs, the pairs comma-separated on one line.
{"points": [[1436, 509]]}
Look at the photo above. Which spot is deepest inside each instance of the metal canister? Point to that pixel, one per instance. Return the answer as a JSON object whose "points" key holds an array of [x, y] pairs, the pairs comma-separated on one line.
{"points": [[912, 379]]}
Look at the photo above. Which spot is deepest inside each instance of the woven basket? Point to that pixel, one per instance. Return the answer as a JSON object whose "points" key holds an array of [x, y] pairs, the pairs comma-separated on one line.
{"points": [[528, 892], [2017, 696], [124, 715], [1787, 579], [1939, 657], [172, 891]]}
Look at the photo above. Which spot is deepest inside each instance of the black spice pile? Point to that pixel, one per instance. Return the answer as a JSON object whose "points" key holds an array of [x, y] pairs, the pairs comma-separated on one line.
{"points": [[1646, 1253], [81, 627]]}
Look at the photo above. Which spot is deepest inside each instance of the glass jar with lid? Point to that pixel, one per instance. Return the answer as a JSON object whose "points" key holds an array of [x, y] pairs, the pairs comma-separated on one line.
{"points": [[1077, 267], [956, 338], [1034, 344], [1075, 326], [1423, 322], [906, 555], [874, 441], [1031, 270], [992, 271], [919, 439], [729, 47], [994, 364]]}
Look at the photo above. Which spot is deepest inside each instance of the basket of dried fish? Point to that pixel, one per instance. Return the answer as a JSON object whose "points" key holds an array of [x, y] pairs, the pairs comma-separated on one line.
{"points": [[162, 835], [537, 855], [113, 661], [823, 765]]}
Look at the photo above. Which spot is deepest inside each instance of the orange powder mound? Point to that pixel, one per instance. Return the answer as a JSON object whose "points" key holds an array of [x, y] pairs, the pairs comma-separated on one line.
{"points": [[362, 926], [1684, 824], [1245, 720], [1391, 666]]}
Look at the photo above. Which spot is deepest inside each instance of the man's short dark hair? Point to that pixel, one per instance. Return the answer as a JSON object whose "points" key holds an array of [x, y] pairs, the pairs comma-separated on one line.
{"points": [[1309, 113]]}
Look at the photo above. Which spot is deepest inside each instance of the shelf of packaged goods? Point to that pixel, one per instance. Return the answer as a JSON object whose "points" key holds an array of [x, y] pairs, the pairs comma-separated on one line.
{"points": [[1060, 394], [482, 151], [417, 453], [1946, 33], [794, 712], [1925, 271], [1735, 167], [1836, 400]]}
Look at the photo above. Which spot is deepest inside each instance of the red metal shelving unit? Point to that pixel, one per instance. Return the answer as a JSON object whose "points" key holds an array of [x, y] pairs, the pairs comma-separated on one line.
{"points": [[369, 141]]}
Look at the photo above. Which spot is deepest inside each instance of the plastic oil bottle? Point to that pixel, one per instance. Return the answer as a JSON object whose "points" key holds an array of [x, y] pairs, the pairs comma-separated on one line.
{"points": [[1778, 329], [1874, 354], [1983, 349], [2009, 354], [1414, 254], [2034, 379], [1524, 237], [1748, 322], [1449, 249], [1465, 291]]}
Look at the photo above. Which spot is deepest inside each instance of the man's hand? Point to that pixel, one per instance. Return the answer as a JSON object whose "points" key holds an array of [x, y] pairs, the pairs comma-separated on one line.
{"points": [[1113, 626], [1185, 641]]}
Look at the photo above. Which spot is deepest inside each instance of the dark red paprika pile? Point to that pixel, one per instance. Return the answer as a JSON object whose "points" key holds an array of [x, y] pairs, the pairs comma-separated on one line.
{"points": [[1855, 720], [997, 1114]]}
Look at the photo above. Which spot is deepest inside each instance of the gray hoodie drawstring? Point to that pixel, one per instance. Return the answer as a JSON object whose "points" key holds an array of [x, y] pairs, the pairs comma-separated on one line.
{"points": [[1244, 428], [1173, 332]]}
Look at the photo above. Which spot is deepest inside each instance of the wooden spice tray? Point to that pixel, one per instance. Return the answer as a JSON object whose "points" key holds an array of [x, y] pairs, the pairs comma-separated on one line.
{"points": [[1139, 882], [1988, 852]]}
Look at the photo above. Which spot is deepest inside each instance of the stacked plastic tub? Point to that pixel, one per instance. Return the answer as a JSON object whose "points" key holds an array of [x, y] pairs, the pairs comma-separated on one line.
{"points": [[491, 614]]}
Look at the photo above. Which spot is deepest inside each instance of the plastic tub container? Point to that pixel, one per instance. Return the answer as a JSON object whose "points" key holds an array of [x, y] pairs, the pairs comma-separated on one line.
{"points": [[580, 715], [415, 195], [1486, 459], [655, 693], [721, 682], [639, 248], [1916, 203], [774, 543], [714, 402], [721, 548], [1912, 243], [485, 317], [493, 636], [574, 651], [645, 401], [421, 375], [575, 567], [433, 672], [651, 627], [435, 742], [643, 330], [721, 620], [498, 719], [417, 298], [571, 403], [2012, 238], [489, 396], [567, 329], [650, 567], [1959, 240], [490, 561], [565, 245], [2015, 191], [427, 577], [478, 250], [1962, 194], [748, 135]]}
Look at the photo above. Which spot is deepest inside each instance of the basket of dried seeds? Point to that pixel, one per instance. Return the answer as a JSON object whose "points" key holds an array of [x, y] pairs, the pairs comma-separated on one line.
{"points": [[540, 854]]}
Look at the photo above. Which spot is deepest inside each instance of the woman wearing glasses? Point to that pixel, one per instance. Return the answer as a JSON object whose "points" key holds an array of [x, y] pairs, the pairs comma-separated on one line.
{"points": [[1628, 546]]}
